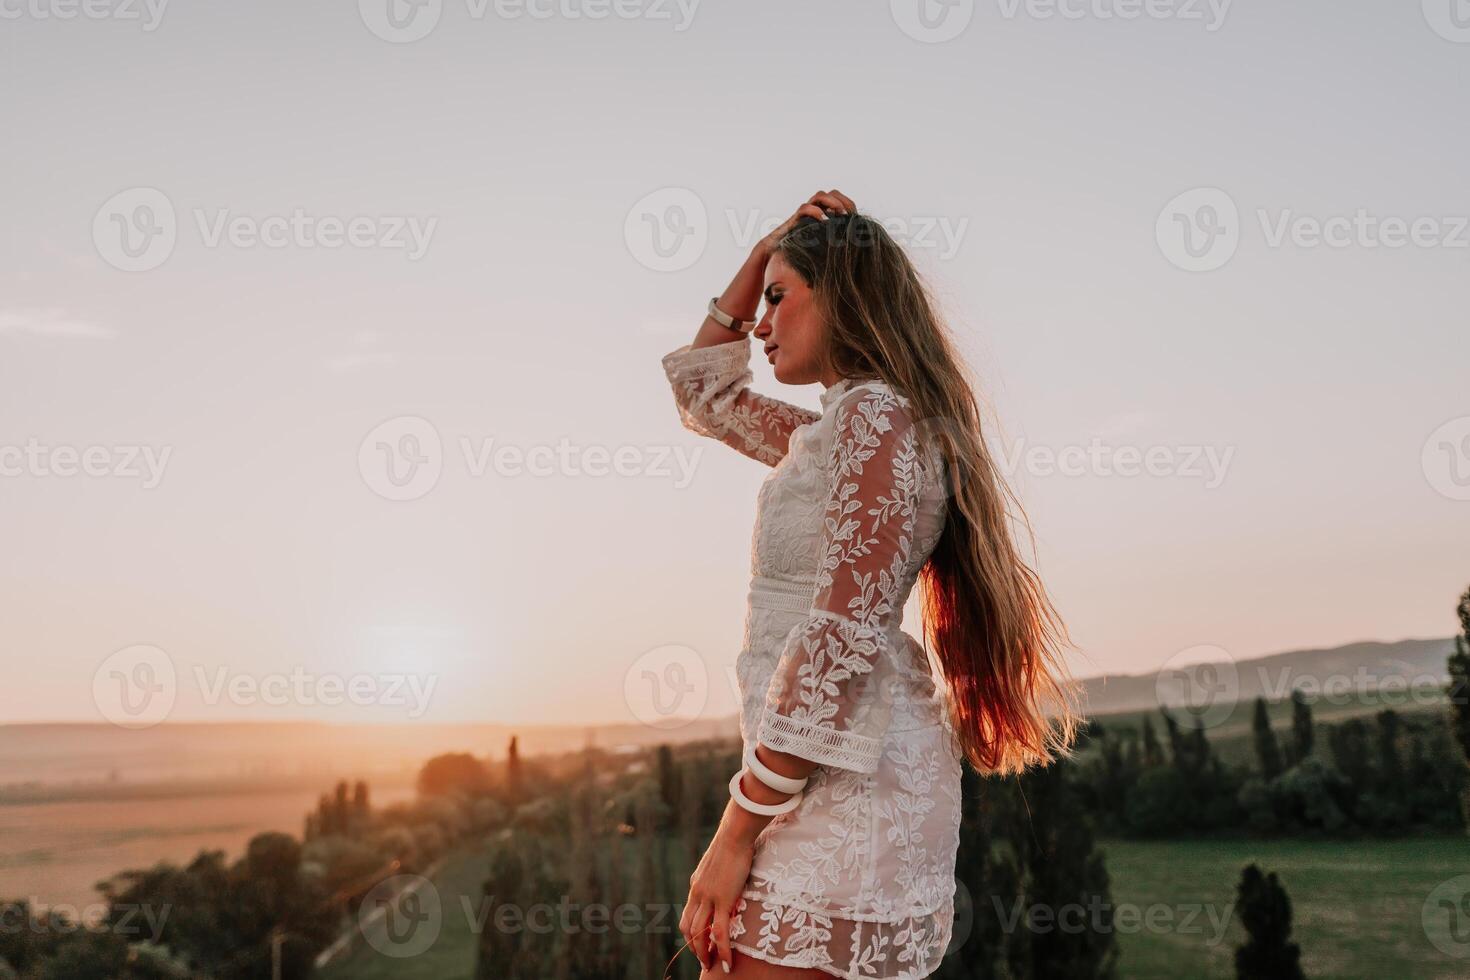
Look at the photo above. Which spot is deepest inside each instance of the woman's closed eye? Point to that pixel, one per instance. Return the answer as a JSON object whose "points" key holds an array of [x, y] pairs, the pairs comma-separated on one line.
{"points": [[773, 298]]}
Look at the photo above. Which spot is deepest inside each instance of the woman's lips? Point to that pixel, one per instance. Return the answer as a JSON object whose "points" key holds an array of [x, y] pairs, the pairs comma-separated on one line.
{"points": [[770, 349]]}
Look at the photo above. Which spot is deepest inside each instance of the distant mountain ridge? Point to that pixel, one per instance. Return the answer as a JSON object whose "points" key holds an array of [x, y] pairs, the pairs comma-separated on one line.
{"points": [[1351, 667]]}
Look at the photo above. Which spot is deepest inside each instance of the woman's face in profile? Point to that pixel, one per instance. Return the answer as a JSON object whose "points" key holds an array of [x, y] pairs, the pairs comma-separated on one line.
{"points": [[790, 330]]}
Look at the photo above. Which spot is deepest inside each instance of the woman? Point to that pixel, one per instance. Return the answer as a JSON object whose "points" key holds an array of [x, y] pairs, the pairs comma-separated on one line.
{"points": [[836, 853]]}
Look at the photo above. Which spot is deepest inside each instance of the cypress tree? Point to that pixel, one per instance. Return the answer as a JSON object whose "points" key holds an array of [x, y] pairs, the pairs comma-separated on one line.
{"points": [[1390, 766], [1301, 727], [1153, 755], [668, 778], [1064, 881], [1459, 693], [1199, 752], [1267, 751], [362, 810], [1178, 750], [513, 773], [1348, 742], [980, 879], [1265, 911]]}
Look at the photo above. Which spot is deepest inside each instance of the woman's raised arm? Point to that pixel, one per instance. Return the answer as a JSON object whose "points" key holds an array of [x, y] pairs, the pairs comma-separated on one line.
{"points": [[711, 376]]}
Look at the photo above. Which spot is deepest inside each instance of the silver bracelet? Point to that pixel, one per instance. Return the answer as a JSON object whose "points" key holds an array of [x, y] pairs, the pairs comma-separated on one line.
{"points": [[760, 809], [726, 320]]}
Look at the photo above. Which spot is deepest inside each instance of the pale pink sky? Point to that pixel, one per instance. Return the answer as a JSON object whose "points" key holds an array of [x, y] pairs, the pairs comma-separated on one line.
{"points": [[521, 149]]}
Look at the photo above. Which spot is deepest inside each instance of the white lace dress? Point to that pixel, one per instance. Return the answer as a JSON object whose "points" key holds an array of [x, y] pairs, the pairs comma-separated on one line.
{"points": [[859, 880]]}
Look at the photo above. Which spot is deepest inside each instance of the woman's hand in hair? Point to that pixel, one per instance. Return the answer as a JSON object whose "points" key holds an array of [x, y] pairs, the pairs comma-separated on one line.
{"points": [[817, 207]]}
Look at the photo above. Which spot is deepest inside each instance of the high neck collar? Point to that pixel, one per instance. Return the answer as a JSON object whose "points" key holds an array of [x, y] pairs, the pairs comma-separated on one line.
{"points": [[830, 395], [833, 392]]}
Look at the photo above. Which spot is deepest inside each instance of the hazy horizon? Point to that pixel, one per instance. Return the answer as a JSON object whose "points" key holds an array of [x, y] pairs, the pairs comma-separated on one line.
{"points": [[568, 723]]}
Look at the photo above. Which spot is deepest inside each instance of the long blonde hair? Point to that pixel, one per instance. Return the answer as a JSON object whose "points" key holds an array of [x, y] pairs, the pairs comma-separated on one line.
{"points": [[996, 635]]}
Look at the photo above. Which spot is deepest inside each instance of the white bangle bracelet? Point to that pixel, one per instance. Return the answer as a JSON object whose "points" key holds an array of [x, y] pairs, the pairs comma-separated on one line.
{"points": [[760, 809], [777, 782], [726, 320]]}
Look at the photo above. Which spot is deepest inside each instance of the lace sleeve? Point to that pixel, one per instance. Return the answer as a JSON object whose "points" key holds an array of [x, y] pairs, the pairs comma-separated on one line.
{"points": [[712, 389], [826, 701]]}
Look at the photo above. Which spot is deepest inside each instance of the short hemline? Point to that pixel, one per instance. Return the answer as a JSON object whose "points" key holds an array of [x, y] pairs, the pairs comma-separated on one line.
{"points": [[866, 918], [786, 961]]}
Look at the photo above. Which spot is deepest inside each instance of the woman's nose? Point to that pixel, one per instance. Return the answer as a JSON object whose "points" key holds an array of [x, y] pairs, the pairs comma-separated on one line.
{"points": [[763, 328]]}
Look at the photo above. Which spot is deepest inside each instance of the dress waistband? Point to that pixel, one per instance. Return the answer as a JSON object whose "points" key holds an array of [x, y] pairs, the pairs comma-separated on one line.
{"points": [[789, 595]]}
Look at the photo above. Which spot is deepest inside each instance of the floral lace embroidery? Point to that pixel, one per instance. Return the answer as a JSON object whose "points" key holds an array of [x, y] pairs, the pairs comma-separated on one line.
{"points": [[830, 700]]}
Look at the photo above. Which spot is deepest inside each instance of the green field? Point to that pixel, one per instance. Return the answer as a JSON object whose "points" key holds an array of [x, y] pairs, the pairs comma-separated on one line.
{"points": [[1357, 907], [452, 955], [1357, 910]]}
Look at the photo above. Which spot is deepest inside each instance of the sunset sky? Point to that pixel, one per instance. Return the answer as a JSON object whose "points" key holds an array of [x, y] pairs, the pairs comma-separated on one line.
{"points": [[1307, 404]]}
